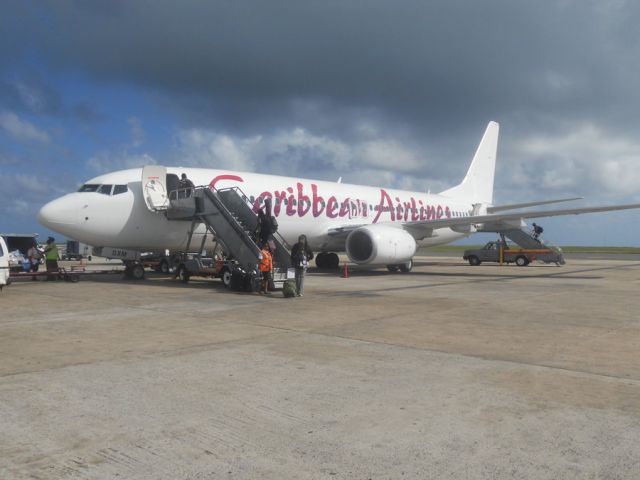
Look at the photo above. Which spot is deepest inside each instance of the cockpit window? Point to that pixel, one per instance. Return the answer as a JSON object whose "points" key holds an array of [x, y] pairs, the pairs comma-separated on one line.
{"points": [[89, 187], [119, 189], [104, 189]]}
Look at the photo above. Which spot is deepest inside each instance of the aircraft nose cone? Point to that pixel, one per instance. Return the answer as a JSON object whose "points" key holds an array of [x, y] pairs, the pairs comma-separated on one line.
{"points": [[57, 213]]}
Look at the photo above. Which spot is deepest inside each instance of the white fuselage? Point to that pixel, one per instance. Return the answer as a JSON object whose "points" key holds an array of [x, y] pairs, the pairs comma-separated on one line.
{"points": [[301, 206]]}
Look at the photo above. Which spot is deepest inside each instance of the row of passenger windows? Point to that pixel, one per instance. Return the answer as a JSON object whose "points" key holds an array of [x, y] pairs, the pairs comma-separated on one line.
{"points": [[104, 189]]}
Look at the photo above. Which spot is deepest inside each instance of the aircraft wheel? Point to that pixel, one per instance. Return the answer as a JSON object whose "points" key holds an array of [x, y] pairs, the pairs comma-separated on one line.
{"points": [[406, 267], [522, 261], [333, 261], [321, 260], [183, 274], [392, 268], [473, 260], [226, 277]]}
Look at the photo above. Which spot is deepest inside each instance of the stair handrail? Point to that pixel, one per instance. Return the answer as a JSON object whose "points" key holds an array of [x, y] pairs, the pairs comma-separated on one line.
{"points": [[248, 203], [228, 215]]}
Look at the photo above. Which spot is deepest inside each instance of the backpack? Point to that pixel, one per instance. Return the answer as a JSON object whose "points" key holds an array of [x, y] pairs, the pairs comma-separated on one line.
{"points": [[274, 224], [289, 288]]}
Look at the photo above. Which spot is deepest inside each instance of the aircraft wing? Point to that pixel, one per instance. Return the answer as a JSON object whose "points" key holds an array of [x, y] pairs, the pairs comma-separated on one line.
{"points": [[500, 221], [500, 208], [421, 229]]}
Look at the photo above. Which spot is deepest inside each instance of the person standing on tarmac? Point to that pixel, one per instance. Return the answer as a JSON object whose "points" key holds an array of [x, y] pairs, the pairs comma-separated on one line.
{"points": [[51, 257], [300, 256], [266, 267], [34, 256]]}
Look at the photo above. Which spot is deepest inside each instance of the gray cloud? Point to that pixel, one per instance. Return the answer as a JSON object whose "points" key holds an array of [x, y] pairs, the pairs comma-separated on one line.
{"points": [[424, 76], [434, 63]]}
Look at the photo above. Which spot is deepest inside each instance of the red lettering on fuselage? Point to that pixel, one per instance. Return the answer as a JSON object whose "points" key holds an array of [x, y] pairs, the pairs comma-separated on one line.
{"points": [[299, 203]]}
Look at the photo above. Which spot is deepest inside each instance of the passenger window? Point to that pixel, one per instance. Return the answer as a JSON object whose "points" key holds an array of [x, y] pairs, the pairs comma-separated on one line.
{"points": [[88, 187], [117, 189], [104, 189]]}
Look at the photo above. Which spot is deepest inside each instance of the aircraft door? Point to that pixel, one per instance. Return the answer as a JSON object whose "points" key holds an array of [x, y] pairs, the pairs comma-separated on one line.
{"points": [[4, 263], [154, 187]]}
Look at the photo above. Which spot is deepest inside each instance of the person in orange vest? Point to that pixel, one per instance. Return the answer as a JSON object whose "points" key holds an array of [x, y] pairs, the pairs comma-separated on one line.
{"points": [[266, 267]]}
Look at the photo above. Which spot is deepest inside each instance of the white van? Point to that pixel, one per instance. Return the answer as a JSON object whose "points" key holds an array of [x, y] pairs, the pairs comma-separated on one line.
{"points": [[4, 264]]}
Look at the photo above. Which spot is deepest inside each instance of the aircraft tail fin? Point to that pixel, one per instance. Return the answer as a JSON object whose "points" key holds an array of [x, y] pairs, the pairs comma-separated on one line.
{"points": [[477, 185]]}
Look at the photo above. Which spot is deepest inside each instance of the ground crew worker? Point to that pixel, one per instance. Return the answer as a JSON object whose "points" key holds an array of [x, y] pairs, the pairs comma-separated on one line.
{"points": [[266, 267], [51, 257]]}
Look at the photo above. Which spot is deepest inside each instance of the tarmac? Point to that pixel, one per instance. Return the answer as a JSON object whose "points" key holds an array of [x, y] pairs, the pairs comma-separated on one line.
{"points": [[448, 372]]}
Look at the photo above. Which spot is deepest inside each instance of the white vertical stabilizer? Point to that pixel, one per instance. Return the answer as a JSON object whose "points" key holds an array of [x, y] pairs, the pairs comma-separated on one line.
{"points": [[477, 186]]}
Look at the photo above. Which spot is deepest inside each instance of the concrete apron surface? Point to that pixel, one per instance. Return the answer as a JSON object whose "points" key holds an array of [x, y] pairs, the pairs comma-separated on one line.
{"points": [[450, 371]]}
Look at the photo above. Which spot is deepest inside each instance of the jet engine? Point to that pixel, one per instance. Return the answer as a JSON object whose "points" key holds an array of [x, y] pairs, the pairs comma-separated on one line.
{"points": [[380, 245]]}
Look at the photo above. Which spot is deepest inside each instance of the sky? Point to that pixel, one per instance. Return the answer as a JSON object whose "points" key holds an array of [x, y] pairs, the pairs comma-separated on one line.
{"points": [[393, 93]]}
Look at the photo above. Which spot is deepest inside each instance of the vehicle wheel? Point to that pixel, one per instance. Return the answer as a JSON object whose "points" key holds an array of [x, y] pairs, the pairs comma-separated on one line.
{"points": [[183, 274], [225, 275], [473, 260], [164, 266], [137, 271], [89, 258], [321, 260], [406, 266], [522, 261], [333, 261], [392, 268]]}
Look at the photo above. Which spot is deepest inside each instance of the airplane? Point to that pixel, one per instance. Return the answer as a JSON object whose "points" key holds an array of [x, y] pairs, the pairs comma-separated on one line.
{"points": [[374, 226]]}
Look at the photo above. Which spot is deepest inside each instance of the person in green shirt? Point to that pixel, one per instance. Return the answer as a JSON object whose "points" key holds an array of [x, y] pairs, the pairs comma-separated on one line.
{"points": [[51, 257]]}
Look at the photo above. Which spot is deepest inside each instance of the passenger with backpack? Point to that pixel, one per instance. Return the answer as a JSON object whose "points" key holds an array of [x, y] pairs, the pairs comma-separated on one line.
{"points": [[300, 256]]}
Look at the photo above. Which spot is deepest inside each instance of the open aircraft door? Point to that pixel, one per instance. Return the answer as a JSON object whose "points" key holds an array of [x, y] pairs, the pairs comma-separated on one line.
{"points": [[154, 187], [4, 263]]}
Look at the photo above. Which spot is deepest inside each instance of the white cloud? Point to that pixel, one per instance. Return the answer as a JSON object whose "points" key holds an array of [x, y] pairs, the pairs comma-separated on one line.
{"points": [[24, 194], [107, 161], [136, 131], [22, 130], [587, 160], [298, 151]]}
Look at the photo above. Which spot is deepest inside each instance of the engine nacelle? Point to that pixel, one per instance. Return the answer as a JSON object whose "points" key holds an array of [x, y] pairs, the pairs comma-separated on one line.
{"points": [[380, 245]]}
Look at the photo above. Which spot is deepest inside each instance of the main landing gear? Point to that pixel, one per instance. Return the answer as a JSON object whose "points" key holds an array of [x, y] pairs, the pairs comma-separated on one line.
{"points": [[327, 261], [402, 267]]}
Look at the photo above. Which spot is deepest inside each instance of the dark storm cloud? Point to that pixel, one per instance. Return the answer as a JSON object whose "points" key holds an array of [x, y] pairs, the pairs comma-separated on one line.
{"points": [[367, 81], [435, 64]]}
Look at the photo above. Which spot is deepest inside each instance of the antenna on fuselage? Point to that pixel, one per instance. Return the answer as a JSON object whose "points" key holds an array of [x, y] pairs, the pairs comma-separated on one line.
{"points": [[339, 180]]}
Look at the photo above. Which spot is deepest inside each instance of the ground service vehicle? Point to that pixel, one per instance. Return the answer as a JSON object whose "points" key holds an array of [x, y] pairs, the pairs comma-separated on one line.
{"points": [[502, 252], [4, 264], [77, 251], [206, 267]]}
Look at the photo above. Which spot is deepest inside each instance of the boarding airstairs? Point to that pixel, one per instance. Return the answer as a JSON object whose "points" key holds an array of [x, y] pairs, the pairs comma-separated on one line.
{"points": [[523, 238], [227, 213], [529, 242]]}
